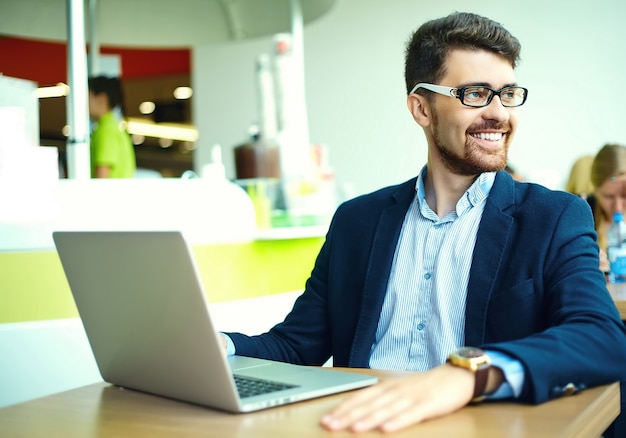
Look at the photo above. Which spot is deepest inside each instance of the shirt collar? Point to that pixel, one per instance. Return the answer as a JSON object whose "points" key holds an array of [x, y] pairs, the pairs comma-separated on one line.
{"points": [[473, 196]]}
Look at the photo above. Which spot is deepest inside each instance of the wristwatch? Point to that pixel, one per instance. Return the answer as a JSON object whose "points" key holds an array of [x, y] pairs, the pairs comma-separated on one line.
{"points": [[477, 361]]}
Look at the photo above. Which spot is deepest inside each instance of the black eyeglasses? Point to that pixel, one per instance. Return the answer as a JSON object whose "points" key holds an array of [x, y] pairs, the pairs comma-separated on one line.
{"points": [[478, 96]]}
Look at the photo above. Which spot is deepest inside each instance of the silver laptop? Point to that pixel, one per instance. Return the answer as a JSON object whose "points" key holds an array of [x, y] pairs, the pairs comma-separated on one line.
{"points": [[145, 312]]}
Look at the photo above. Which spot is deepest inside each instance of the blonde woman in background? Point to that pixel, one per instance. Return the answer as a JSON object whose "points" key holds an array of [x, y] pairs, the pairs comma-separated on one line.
{"points": [[608, 175], [579, 181]]}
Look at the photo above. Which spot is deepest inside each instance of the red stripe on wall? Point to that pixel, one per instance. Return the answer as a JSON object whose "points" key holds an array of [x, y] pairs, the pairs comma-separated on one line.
{"points": [[45, 62]]}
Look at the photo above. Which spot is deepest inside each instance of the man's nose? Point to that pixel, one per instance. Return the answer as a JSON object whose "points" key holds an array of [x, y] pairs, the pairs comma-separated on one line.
{"points": [[495, 110]]}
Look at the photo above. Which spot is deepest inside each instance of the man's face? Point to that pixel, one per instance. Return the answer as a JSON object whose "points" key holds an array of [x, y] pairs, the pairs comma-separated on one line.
{"points": [[470, 140]]}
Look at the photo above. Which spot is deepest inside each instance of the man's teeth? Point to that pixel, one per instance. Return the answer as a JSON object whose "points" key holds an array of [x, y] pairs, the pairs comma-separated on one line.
{"points": [[491, 136]]}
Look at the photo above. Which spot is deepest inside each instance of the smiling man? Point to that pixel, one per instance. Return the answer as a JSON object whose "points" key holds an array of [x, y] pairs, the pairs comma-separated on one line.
{"points": [[485, 286]]}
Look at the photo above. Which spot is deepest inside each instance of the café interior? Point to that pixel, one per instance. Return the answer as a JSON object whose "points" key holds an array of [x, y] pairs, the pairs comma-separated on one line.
{"points": [[246, 148]]}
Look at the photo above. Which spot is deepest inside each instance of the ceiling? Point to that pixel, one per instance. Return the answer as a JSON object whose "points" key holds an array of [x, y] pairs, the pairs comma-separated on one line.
{"points": [[160, 23]]}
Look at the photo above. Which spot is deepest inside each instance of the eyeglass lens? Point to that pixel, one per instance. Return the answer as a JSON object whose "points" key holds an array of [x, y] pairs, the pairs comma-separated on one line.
{"points": [[481, 96]]}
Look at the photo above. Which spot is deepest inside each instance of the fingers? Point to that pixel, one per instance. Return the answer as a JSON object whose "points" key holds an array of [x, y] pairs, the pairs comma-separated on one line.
{"points": [[398, 403], [376, 407]]}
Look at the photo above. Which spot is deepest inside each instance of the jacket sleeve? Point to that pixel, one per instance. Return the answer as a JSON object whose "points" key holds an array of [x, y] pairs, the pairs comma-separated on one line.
{"points": [[338, 312], [575, 335], [303, 337]]}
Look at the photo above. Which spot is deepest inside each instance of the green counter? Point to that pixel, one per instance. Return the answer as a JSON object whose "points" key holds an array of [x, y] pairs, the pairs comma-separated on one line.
{"points": [[33, 286]]}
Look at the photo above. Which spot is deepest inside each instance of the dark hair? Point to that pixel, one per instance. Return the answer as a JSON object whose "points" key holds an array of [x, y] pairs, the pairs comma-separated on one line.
{"points": [[111, 86], [427, 49]]}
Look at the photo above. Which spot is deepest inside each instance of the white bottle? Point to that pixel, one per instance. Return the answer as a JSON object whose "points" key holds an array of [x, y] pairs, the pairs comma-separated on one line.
{"points": [[617, 249]]}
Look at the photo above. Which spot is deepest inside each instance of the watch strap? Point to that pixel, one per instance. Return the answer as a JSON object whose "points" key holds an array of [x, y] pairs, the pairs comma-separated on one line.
{"points": [[481, 375], [474, 360]]}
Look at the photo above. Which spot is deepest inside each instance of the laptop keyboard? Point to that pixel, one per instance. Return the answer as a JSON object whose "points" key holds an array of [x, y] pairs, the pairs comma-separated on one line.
{"points": [[248, 386]]}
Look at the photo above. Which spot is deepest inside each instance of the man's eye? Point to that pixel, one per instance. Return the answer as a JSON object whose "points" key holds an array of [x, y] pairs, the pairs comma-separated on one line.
{"points": [[474, 93]]}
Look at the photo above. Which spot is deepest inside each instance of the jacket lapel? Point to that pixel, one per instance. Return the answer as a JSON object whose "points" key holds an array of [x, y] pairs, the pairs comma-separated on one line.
{"points": [[378, 270], [493, 233]]}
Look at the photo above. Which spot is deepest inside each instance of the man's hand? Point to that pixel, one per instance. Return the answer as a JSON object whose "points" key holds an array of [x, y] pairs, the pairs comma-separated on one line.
{"points": [[400, 402]]}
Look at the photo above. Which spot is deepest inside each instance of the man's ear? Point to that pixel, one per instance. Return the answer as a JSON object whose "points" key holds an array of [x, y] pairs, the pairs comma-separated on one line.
{"points": [[420, 109]]}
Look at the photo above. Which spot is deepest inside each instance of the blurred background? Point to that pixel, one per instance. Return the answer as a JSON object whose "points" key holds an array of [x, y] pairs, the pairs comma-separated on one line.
{"points": [[352, 71]]}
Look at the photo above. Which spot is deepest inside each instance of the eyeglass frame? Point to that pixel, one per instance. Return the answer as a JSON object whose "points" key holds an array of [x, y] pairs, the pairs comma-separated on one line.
{"points": [[459, 93]]}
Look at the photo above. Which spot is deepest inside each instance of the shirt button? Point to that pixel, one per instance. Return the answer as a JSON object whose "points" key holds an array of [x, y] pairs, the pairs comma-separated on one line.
{"points": [[427, 276], [421, 326]]}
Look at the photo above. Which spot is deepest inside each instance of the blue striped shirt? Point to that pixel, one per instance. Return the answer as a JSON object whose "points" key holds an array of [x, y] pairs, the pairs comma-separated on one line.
{"points": [[423, 315]]}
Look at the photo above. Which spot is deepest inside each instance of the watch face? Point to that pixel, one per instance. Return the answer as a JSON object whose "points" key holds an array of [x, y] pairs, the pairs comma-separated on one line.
{"points": [[470, 352]]}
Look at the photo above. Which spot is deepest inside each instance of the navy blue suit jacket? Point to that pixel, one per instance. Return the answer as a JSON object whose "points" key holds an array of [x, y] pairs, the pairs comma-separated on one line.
{"points": [[535, 291]]}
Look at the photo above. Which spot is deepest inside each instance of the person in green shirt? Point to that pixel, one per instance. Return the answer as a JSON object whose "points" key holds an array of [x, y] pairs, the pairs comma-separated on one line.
{"points": [[111, 149]]}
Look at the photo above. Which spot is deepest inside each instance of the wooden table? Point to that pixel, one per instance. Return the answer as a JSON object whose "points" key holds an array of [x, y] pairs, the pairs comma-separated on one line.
{"points": [[102, 410], [618, 292]]}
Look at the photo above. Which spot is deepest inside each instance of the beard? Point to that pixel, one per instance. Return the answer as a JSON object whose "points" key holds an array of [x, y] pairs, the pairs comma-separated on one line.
{"points": [[474, 160]]}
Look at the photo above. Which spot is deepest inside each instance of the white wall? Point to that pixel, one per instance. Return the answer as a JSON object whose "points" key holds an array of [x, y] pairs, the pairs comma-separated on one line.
{"points": [[572, 62], [207, 211]]}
